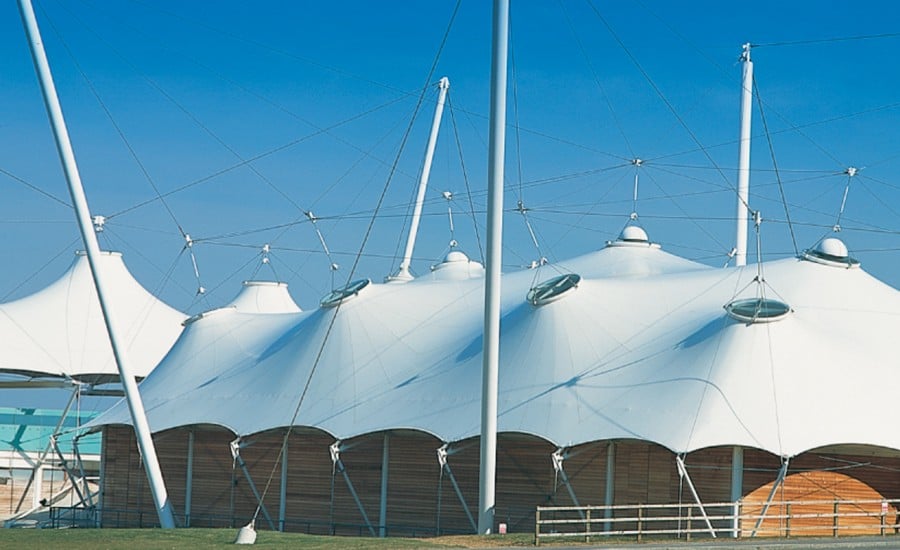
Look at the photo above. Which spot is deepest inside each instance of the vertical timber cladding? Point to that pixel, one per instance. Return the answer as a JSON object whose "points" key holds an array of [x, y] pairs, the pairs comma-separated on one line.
{"points": [[308, 481], [413, 475], [854, 473], [127, 499], [525, 479], [213, 493]]}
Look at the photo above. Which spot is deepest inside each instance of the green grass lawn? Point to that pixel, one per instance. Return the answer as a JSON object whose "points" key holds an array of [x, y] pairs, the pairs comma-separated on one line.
{"points": [[139, 539]]}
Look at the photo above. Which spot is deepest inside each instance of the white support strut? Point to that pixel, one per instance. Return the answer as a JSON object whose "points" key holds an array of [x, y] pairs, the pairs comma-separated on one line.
{"points": [[442, 453], [335, 450], [92, 249], [236, 455], [403, 274], [557, 458], [682, 471], [743, 193], [782, 473], [491, 350]]}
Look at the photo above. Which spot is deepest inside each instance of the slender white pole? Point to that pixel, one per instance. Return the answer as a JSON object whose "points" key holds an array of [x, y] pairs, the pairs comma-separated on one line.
{"points": [[737, 485], [67, 156], [403, 274], [496, 158], [189, 480], [282, 493], [744, 159], [385, 463], [609, 495]]}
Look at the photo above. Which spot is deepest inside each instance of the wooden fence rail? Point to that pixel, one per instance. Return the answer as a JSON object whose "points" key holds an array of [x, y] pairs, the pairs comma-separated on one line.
{"points": [[720, 519]]}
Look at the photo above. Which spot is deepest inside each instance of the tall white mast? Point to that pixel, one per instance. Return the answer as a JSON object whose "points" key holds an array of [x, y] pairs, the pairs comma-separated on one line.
{"points": [[67, 156], [403, 274], [743, 199], [496, 159]]}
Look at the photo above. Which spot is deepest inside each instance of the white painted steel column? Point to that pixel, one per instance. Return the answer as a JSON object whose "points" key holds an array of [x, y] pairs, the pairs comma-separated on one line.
{"points": [[403, 274], [282, 494], [743, 199], [610, 493], [737, 485], [79, 201], [189, 480], [382, 511], [491, 352], [37, 490]]}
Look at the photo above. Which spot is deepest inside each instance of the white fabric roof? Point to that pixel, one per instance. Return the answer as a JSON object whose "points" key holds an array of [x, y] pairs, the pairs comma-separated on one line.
{"points": [[59, 331], [264, 297], [642, 348]]}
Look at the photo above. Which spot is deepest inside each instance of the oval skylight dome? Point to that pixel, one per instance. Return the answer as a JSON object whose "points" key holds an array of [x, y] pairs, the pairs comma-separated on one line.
{"points": [[831, 251], [345, 293], [757, 310], [552, 289]]}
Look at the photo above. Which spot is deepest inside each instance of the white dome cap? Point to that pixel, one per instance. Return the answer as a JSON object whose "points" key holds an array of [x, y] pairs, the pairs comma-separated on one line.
{"points": [[457, 266], [455, 256], [831, 251], [634, 233], [833, 246]]}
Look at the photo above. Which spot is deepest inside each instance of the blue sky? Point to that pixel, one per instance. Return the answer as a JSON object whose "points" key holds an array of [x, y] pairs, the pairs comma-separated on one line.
{"points": [[321, 95]]}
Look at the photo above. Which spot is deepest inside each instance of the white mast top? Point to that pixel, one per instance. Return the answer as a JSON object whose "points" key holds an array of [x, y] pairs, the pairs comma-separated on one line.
{"points": [[403, 274], [743, 193]]}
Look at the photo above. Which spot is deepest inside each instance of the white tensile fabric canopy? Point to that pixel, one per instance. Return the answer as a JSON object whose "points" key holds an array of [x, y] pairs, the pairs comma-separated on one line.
{"points": [[641, 346], [59, 332]]}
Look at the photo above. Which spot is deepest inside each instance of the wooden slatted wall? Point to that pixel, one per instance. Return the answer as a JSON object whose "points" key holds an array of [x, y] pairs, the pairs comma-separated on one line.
{"points": [[309, 482], [585, 466], [420, 500], [413, 475], [525, 480]]}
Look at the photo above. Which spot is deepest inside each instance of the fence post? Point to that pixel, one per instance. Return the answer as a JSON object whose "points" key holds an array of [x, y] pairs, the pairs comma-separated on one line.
{"points": [[640, 525], [787, 521], [690, 511], [537, 527], [587, 534], [835, 522]]}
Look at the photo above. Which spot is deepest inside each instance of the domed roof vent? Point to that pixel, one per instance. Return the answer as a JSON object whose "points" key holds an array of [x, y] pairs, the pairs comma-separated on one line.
{"points": [[553, 289], [757, 310], [342, 294], [633, 235], [831, 251], [457, 266]]}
